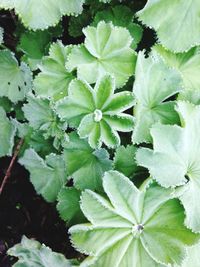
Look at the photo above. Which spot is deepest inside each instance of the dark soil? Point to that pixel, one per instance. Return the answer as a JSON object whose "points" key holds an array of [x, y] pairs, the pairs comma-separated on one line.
{"points": [[23, 212]]}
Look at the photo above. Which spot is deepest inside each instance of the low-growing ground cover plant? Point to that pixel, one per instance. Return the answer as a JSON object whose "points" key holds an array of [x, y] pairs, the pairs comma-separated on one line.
{"points": [[100, 103]]}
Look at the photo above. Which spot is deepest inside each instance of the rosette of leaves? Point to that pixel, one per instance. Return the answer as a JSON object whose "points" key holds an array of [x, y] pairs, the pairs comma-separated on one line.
{"points": [[132, 227], [36, 14], [107, 49], [154, 85], [85, 165], [54, 79], [174, 160], [170, 28], [16, 80], [47, 175], [32, 254], [45, 120], [7, 134], [121, 16], [97, 113]]}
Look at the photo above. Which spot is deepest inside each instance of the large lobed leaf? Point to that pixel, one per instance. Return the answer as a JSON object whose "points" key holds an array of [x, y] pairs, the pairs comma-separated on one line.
{"points": [[107, 49], [133, 228], [155, 83], [176, 22], [36, 14], [174, 161]]}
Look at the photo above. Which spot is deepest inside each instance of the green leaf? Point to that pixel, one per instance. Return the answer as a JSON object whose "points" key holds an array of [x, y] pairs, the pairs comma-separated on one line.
{"points": [[121, 16], [32, 254], [36, 14], [34, 46], [54, 79], [68, 205], [1, 35], [193, 257], [85, 165], [175, 159], [132, 228], [124, 160], [151, 94], [97, 113], [7, 134], [16, 81], [172, 28], [45, 119], [48, 176], [188, 64], [106, 50]]}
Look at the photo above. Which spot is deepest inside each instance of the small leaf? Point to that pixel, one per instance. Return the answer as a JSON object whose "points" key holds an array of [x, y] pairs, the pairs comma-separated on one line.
{"points": [[15, 80], [124, 160], [68, 205], [54, 79], [7, 134], [48, 176], [85, 165], [32, 254]]}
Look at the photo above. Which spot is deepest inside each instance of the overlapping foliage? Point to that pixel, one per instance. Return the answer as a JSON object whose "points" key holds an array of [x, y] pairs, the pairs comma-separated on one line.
{"points": [[111, 132]]}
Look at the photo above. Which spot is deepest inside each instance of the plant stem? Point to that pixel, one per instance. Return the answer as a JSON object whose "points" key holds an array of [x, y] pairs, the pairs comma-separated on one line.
{"points": [[8, 172]]}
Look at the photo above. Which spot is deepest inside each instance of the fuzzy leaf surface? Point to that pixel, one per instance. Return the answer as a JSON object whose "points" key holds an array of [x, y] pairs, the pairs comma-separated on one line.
{"points": [[36, 14], [32, 254], [54, 79], [151, 94], [174, 161], [97, 113], [107, 49], [172, 28], [126, 229]]}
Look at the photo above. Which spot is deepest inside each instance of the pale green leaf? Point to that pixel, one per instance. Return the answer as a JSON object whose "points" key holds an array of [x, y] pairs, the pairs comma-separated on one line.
{"points": [[85, 165], [188, 64], [106, 50], [132, 227], [97, 113], [48, 176], [175, 159], [31, 253], [1, 35], [7, 134], [45, 119], [151, 94], [176, 32], [120, 16], [36, 14], [15, 80], [54, 79]]}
